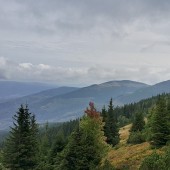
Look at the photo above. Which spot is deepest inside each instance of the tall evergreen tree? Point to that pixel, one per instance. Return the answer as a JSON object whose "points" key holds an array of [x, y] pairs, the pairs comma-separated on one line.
{"points": [[44, 150], [86, 146], [168, 117], [160, 125], [111, 127], [21, 146], [57, 148], [104, 114], [136, 135], [138, 122]]}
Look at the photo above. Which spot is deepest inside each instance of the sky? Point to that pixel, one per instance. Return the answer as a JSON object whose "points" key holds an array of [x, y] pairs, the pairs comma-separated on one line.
{"points": [[82, 42]]}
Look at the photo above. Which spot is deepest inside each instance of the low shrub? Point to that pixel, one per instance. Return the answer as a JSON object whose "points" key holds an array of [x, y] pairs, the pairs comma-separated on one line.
{"points": [[136, 138], [156, 162]]}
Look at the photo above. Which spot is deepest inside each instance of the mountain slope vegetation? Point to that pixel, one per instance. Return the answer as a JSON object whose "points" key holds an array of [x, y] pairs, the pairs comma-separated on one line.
{"points": [[84, 144]]}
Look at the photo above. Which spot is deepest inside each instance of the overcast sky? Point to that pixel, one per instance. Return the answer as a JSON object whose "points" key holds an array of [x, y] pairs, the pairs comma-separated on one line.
{"points": [[81, 42]]}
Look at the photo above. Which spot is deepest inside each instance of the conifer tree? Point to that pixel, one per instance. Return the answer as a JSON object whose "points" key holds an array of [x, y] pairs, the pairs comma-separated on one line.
{"points": [[86, 146], [57, 148], [111, 127], [136, 135], [138, 122], [168, 117], [44, 149], [104, 114], [21, 146], [160, 125]]}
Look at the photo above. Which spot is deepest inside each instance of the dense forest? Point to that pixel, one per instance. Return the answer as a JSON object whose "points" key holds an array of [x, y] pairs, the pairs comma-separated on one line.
{"points": [[88, 142]]}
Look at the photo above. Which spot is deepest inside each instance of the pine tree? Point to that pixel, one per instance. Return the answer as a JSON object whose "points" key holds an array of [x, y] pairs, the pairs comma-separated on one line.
{"points": [[44, 149], [86, 146], [160, 125], [136, 135], [138, 122], [168, 118], [104, 114], [111, 128], [21, 145], [57, 147], [34, 150]]}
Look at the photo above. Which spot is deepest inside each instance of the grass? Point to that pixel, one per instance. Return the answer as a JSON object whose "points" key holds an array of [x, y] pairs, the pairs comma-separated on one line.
{"points": [[126, 156], [124, 134]]}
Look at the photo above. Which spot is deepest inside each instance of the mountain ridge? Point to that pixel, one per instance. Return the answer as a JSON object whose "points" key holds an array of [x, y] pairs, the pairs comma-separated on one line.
{"points": [[14, 89], [70, 103], [162, 87]]}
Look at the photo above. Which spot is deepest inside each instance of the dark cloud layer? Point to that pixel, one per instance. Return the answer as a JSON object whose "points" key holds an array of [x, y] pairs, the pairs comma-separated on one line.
{"points": [[73, 16], [85, 40]]}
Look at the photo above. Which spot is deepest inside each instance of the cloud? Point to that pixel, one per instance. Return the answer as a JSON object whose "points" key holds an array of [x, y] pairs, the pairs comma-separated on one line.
{"points": [[83, 42], [79, 76], [2, 76], [5, 66], [75, 17], [26, 66]]}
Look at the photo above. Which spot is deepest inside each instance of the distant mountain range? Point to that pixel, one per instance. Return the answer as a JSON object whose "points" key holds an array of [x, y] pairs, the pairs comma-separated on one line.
{"points": [[143, 93], [12, 89], [65, 103]]}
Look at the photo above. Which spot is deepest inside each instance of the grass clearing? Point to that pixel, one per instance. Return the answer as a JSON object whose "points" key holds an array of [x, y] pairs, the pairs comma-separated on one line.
{"points": [[126, 156]]}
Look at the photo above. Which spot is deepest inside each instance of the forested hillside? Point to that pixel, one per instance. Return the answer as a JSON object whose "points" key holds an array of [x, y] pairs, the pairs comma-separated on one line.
{"points": [[135, 136], [66, 103]]}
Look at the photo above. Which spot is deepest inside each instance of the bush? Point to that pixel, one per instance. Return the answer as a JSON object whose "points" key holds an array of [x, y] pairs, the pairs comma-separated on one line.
{"points": [[154, 162], [107, 166], [2, 167], [167, 158], [136, 138], [122, 121]]}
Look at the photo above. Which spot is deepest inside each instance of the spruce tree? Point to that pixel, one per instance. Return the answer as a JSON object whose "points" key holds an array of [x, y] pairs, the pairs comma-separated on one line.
{"points": [[104, 114], [160, 125], [138, 122], [44, 150], [136, 135], [111, 127], [57, 148], [168, 118], [86, 146], [21, 146]]}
